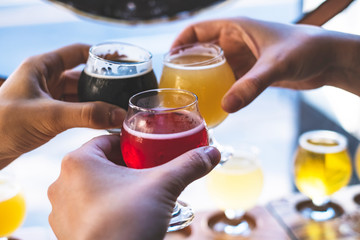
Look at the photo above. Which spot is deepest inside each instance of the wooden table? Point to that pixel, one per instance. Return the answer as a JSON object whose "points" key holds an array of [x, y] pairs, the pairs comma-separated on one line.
{"points": [[279, 220]]}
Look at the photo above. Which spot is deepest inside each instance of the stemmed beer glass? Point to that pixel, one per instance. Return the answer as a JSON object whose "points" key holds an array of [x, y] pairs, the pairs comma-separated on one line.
{"points": [[357, 170], [234, 186], [202, 69], [160, 125], [12, 206], [322, 166], [115, 71]]}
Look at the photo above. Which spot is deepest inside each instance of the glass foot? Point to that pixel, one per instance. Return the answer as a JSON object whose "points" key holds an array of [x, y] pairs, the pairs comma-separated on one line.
{"points": [[242, 226], [114, 130], [182, 216], [325, 212]]}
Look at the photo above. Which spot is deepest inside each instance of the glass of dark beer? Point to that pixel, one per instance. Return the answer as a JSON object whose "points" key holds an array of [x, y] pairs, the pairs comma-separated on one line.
{"points": [[114, 72]]}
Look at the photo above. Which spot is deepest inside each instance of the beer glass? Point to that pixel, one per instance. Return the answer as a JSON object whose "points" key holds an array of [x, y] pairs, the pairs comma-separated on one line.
{"points": [[114, 72], [12, 206], [322, 166], [202, 69], [357, 161], [160, 125], [357, 169], [235, 186]]}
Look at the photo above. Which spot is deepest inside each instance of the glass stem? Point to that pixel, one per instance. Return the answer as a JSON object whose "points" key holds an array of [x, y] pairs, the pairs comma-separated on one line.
{"points": [[234, 214], [319, 202], [226, 153]]}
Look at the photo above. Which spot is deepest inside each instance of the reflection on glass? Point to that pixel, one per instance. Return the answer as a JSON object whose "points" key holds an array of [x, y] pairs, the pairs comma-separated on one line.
{"points": [[12, 206], [235, 187], [202, 69], [322, 166], [160, 125]]}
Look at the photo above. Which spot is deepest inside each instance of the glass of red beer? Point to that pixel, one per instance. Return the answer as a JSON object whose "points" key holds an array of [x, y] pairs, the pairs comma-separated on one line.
{"points": [[160, 125], [115, 71]]}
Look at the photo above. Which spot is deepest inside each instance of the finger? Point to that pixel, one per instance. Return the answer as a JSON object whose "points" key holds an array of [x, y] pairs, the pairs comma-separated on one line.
{"points": [[64, 58], [97, 115], [72, 55], [187, 36], [207, 31], [71, 79], [190, 166], [67, 84], [247, 88], [70, 98], [108, 146]]}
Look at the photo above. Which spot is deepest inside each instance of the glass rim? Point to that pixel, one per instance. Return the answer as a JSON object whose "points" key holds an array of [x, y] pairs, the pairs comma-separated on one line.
{"points": [[143, 109], [323, 134], [94, 47], [220, 53]]}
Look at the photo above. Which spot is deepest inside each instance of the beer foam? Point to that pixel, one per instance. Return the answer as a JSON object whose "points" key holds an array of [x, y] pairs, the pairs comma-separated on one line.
{"points": [[113, 76], [165, 136], [8, 189], [239, 165], [184, 66], [341, 142]]}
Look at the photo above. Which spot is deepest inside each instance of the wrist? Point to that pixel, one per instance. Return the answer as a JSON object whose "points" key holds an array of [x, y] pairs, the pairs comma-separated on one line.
{"points": [[347, 61]]}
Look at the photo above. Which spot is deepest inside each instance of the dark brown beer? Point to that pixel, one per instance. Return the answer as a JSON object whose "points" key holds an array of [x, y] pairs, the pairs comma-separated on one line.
{"points": [[114, 72], [114, 89]]}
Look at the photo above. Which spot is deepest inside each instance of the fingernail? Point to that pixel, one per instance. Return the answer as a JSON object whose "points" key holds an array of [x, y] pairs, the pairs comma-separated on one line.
{"points": [[213, 154], [117, 117]]}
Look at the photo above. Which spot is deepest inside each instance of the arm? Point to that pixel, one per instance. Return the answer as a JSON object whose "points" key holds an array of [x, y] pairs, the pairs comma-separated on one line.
{"points": [[266, 54]]}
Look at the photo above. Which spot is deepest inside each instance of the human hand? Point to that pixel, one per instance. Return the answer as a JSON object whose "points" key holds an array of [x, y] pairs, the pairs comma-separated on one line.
{"points": [[94, 198], [31, 110], [292, 56]]}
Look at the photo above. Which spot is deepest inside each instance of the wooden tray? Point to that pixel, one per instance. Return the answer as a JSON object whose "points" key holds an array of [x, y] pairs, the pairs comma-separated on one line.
{"points": [[301, 228], [266, 228]]}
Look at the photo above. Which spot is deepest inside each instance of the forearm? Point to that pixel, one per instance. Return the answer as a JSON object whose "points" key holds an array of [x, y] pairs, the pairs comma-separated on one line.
{"points": [[347, 62]]}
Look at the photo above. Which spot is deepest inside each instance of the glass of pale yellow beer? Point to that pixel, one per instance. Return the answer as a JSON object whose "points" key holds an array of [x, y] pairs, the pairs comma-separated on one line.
{"points": [[235, 186], [202, 69], [357, 170], [322, 166], [12, 206], [357, 161]]}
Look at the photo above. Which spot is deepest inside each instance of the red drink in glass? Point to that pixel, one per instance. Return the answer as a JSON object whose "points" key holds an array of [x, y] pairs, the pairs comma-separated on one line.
{"points": [[156, 138], [160, 125]]}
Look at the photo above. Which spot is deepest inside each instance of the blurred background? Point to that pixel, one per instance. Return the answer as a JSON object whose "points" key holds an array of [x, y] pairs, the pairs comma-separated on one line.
{"points": [[273, 121]]}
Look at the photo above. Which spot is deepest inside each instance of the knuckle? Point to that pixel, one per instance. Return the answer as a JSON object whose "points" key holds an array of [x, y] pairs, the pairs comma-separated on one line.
{"points": [[95, 115], [199, 161]]}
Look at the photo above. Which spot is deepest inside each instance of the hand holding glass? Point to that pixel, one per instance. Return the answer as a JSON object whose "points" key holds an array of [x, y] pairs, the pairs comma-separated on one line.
{"points": [[162, 124], [202, 69]]}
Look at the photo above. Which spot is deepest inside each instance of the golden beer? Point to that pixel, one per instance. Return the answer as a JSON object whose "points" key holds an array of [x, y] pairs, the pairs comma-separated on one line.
{"points": [[237, 184], [203, 70], [357, 161], [322, 164], [12, 206]]}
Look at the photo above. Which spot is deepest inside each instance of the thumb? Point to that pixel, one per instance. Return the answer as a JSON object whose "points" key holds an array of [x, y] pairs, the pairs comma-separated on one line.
{"points": [[190, 166], [98, 115], [248, 87]]}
